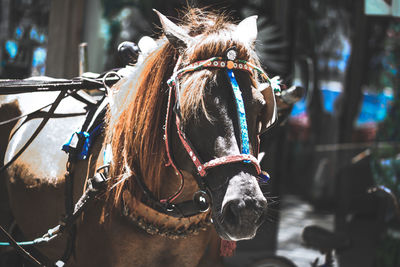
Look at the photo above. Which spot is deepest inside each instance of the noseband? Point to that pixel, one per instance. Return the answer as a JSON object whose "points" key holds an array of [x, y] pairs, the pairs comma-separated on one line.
{"points": [[229, 63]]}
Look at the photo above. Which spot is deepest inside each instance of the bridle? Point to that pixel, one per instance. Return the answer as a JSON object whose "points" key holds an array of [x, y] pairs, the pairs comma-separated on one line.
{"points": [[229, 63]]}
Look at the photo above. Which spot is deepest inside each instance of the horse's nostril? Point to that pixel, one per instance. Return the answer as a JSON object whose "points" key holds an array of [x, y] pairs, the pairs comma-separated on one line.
{"points": [[232, 211], [236, 207], [237, 212]]}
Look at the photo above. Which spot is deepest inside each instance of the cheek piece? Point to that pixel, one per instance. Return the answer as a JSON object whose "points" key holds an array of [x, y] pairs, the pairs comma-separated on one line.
{"points": [[229, 63]]}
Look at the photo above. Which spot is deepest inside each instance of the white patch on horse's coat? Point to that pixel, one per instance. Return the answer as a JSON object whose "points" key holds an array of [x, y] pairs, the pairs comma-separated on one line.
{"points": [[125, 89], [123, 92], [50, 160], [12, 149], [146, 45], [227, 145]]}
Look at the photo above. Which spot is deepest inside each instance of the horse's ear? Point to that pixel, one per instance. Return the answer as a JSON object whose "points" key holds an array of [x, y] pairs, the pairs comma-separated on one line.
{"points": [[176, 35], [269, 113], [246, 30]]}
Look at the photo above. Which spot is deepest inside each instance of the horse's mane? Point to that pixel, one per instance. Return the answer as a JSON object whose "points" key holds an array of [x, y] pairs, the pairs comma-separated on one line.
{"points": [[137, 114]]}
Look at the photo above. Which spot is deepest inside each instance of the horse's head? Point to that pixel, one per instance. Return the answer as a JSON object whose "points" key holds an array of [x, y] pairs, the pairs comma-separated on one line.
{"points": [[218, 113]]}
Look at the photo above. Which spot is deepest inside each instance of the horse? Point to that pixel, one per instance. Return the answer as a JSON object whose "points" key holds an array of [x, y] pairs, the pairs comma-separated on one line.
{"points": [[183, 127]]}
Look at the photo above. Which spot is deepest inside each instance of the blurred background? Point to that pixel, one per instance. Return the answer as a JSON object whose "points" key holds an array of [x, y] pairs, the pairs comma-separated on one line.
{"points": [[336, 161]]}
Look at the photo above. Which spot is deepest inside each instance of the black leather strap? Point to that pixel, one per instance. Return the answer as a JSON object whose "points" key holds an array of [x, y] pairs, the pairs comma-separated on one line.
{"points": [[46, 118], [179, 210], [93, 116], [20, 250]]}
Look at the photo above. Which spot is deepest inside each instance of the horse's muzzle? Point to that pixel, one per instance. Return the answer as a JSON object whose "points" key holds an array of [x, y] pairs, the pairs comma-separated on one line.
{"points": [[241, 220], [243, 209]]}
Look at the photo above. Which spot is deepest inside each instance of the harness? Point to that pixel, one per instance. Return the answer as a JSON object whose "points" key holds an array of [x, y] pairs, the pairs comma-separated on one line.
{"points": [[78, 147]]}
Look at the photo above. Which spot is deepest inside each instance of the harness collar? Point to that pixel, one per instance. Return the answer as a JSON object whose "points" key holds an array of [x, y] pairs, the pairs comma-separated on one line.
{"points": [[161, 223]]}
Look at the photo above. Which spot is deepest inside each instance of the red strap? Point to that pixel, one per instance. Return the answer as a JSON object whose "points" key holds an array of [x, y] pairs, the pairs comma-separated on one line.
{"points": [[232, 159], [166, 138], [202, 168], [192, 154]]}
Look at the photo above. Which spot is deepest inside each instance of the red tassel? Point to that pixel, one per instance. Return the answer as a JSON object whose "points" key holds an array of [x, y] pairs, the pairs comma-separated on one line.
{"points": [[227, 248]]}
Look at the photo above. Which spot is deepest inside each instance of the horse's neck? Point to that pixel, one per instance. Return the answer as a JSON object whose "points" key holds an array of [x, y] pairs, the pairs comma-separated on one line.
{"points": [[125, 239], [170, 180], [122, 239]]}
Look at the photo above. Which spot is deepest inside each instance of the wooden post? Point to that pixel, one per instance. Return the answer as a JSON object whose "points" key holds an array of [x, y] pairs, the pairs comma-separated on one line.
{"points": [[83, 58], [65, 35]]}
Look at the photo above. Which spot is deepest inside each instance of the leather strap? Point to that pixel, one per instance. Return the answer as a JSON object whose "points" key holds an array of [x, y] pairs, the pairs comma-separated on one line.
{"points": [[20, 250], [46, 118]]}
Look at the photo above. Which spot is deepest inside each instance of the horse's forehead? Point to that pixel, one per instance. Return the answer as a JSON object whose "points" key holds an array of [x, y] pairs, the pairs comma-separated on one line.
{"points": [[218, 42]]}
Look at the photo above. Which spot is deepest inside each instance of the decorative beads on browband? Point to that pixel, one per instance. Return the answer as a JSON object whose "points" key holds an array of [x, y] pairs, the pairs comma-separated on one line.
{"points": [[229, 63]]}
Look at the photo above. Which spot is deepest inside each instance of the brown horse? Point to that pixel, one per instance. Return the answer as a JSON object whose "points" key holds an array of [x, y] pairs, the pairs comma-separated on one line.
{"points": [[148, 144]]}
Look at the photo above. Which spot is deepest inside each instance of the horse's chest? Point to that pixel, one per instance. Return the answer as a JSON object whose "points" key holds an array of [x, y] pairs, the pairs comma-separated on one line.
{"points": [[120, 244]]}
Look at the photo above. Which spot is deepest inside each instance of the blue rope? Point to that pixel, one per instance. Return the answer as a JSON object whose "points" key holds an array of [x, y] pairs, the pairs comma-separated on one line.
{"points": [[26, 243], [46, 238]]}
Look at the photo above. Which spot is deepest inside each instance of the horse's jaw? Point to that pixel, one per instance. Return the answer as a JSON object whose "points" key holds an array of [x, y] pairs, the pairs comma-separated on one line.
{"points": [[243, 209]]}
